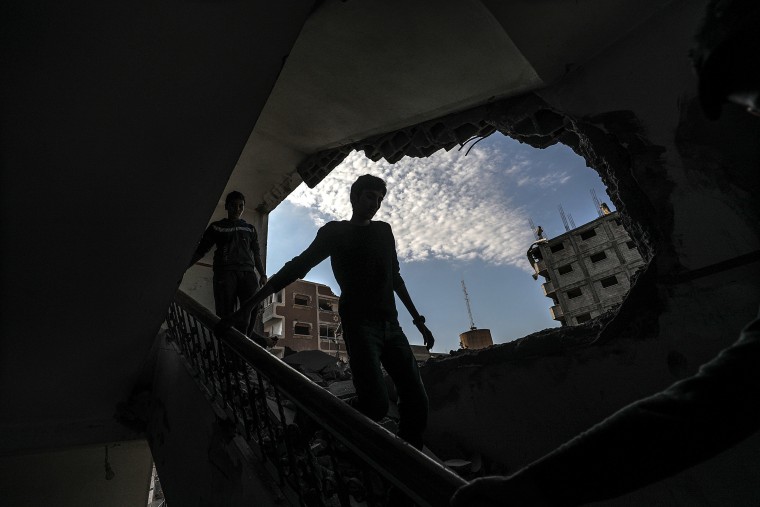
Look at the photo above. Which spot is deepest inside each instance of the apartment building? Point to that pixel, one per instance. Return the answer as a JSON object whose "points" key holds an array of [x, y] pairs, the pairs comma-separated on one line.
{"points": [[304, 316], [586, 270]]}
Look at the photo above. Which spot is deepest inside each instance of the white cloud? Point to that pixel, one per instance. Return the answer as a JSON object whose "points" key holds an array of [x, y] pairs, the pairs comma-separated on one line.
{"points": [[446, 206]]}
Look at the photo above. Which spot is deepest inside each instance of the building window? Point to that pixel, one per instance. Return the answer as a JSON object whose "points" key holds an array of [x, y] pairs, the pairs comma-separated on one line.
{"points": [[631, 245], [558, 247], [599, 256], [563, 270], [574, 293], [609, 281], [584, 317], [588, 234], [618, 222], [302, 329], [327, 332], [326, 305], [301, 300]]}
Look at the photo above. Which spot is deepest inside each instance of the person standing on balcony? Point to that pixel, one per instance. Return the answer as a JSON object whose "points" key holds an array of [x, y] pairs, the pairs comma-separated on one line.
{"points": [[236, 259], [365, 264]]}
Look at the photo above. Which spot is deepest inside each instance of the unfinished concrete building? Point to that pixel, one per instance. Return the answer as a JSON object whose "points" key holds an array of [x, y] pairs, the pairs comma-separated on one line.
{"points": [[304, 316], [123, 125], [587, 271]]}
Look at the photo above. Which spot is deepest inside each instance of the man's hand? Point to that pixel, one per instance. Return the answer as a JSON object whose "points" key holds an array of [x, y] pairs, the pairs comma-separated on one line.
{"points": [[427, 336], [262, 280]]}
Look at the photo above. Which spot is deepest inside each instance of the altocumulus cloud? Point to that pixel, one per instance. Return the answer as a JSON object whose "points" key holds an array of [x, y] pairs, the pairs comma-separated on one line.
{"points": [[446, 206]]}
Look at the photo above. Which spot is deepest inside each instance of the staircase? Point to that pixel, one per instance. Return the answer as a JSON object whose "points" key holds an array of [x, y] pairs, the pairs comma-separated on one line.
{"points": [[314, 448]]}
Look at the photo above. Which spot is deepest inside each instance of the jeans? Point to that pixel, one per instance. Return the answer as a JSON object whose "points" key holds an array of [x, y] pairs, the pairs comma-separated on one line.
{"points": [[370, 344], [231, 287]]}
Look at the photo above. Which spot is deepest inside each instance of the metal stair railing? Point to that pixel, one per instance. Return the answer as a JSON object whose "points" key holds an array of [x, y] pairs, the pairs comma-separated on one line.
{"points": [[323, 451]]}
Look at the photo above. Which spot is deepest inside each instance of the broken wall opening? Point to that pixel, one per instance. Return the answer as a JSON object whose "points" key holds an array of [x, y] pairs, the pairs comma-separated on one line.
{"points": [[611, 143]]}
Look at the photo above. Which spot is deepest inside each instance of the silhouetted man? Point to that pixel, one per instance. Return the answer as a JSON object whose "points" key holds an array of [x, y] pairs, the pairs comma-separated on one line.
{"points": [[364, 261], [236, 259]]}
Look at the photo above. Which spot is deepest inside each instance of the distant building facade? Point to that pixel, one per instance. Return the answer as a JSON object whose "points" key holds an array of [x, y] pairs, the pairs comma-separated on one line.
{"points": [[587, 270], [304, 316]]}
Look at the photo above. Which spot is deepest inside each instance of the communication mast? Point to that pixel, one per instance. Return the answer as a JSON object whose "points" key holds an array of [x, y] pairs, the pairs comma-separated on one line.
{"points": [[597, 204], [564, 218], [469, 310]]}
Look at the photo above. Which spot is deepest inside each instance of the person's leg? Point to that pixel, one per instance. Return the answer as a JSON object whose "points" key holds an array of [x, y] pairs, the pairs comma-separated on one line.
{"points": [[364, 343], [224, 292], [247, 284], [399, 362]]}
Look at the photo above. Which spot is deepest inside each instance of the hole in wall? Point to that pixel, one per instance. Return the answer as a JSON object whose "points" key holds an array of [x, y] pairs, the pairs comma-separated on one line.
{"points": [[461, 216], [611, 143]]}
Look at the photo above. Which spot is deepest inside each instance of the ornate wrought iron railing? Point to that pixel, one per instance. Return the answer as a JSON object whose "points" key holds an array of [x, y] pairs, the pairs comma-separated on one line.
{"points": [[323, 452]]}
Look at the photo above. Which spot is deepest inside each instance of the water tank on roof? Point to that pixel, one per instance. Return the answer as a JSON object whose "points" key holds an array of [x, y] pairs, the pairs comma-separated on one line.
{"points": [[476, 339]]}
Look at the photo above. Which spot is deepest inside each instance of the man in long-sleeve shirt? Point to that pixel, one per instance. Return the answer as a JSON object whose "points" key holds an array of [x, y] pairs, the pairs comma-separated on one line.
{"points": [[365, 264], [236, 259]]}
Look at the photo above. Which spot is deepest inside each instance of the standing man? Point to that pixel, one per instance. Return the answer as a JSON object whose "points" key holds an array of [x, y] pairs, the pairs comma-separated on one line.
{"points": [[364, 262], [236, 259]]}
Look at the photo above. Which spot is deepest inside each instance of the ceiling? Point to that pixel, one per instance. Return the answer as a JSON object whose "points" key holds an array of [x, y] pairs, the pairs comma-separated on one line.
{"points": [[365, 67]]}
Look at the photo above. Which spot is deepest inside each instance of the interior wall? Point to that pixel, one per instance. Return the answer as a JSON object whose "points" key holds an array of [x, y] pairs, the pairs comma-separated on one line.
{"points": [[120, 126], [195, 447], [76, 477], [702, 286]]}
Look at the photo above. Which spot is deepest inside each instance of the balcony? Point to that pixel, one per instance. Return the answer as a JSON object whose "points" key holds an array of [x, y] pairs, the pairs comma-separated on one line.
{"points": [[557, 313], [539, 266], [548, 288], [270, 313]]}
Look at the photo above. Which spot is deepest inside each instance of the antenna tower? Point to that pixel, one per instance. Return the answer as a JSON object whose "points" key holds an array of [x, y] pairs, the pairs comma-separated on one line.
{"points": [[533, 228], [469, 310], [596, 202], [564, 218]]}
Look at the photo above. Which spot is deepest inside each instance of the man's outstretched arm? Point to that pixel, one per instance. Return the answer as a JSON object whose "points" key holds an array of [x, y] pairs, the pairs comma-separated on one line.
{"points": [[290, 272], [207, 241]]}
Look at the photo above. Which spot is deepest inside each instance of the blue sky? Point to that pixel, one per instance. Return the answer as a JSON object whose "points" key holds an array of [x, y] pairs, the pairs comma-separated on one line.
{"points": [[455, 217]]}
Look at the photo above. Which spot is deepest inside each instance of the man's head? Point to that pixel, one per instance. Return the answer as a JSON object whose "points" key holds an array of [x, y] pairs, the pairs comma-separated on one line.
{"points": [[367, 193], [234, 203], [725, 57]]}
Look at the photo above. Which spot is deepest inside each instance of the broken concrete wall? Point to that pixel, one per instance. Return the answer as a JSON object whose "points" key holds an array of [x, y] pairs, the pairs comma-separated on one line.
{"points": [[697, 204], [686, 189], [513, 403]]}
